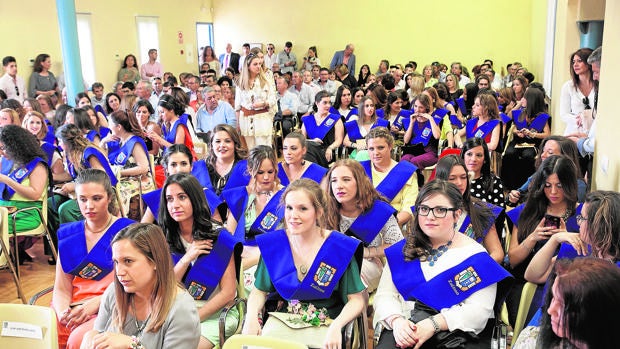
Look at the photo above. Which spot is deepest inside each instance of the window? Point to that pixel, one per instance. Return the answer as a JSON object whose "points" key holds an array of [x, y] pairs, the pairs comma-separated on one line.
{"points": [[86, 47], [204, 37], [148, 36]]}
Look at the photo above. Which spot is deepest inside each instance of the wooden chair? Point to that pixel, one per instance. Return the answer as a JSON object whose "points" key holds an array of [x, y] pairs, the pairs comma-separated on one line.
{"points": [[239, 341], [41, 230], [43, 317], [240, 303], [529, 289]]}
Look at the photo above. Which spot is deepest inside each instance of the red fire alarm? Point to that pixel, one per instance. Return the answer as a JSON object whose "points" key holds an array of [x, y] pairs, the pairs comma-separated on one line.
{"points": [[180, 36]]}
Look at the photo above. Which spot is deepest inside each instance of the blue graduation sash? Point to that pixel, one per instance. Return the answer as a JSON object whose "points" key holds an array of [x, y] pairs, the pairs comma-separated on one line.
{"points": [[323, 276], [367, 226], [440, 112], [239, 176], [571, 222], [538, 123], [91, 135], [92, 151], [454, 120], [467, 229], [266, 221], [99, 109], [97, 263], [171, 135], [504, 117], [203, 277], [450, 287], [482, 131], [395, 180], [104, 131], [7, 166], [423, 131], [568, 251], [333, 110], [351, 113], [403, 119], [314, 172], [49, 150], [126, 150], [201, 172], [50, 136], [353, 128], [380, 113], [319, 131], [153, 200], [460, 102], [18, 175]]}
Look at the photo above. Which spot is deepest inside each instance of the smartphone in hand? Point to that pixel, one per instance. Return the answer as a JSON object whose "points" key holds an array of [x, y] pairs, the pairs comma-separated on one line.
{"points": [[552, 221]]}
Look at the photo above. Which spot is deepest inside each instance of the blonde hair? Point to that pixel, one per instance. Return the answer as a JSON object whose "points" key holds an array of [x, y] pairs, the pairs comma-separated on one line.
{"points": [[35, 114]]}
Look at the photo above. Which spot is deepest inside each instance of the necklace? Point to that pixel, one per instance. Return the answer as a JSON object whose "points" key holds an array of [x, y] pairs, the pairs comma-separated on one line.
{"points": [[107, 225], [302, 267], [140, 326], [267, 193], [435, 253]]}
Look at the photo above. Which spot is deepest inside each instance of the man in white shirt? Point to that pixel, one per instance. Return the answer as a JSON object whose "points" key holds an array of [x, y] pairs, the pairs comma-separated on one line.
{"points": [[229, 59], [309, 81], [144, 90], [152, 68], [98, 99], [398, 79], [246, 52], [288, 105], [10, 83], [457, 70], [326, 84], [158, 87], [287, 59], [271, 57], [303, 92]]}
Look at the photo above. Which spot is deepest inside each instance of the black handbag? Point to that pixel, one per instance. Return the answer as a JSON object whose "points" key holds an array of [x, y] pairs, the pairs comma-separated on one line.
{"points": [[456, 339]]}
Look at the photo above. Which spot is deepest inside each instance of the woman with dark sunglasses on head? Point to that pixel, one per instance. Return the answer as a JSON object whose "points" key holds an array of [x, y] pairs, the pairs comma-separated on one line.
{"points": [[577, 93]]}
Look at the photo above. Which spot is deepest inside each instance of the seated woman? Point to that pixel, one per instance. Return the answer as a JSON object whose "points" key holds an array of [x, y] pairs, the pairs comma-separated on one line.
{"points": [[355, 208], [178, 159], [112, 102], [394, 113], [226, 165], [143, 111], [396, 181], [343, 104], [130, 162], [82, 100], [175, 129], [418, 274], [34, 122], [294, 260], [254, 209], [552, 145], [478, 218], [551, 205], [580, 308], [23, 186], [80, 118], [206, 257], [422, 136], [358, 126], [598, 236], [145, 307], [485, 185], [294, 166], [80, 154], [531, 125], [84, 271], [485, 123], [323, 130]]}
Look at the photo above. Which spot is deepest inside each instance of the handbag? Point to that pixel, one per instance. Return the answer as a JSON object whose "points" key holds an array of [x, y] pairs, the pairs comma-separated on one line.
{"points": [[456, 339], [279, 325]]}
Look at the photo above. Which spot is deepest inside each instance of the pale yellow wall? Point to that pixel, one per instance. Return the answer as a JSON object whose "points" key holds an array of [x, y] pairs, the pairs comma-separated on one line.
{"points": [[30, 27], [401, 30]]}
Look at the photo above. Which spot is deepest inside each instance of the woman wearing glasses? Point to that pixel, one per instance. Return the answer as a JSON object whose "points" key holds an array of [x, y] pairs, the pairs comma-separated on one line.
{"points": [[577, 93], [415, 279]]}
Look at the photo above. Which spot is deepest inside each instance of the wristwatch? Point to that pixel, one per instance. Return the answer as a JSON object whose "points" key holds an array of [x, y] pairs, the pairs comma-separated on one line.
{"points": [[435, 324]]}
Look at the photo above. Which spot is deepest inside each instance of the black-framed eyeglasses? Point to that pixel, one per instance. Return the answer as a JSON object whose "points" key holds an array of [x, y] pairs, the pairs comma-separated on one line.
{"points": [[581, 218], [438, 211], [586, 102], [16, 90]]}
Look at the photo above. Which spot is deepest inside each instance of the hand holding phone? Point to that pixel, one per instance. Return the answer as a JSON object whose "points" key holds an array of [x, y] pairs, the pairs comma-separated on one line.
{"points": [[552, 221]]}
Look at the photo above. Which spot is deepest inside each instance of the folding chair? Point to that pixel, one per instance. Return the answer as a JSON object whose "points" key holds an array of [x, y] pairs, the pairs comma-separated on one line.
{"points": [[240, 303], [43, 317], [239, 341]]}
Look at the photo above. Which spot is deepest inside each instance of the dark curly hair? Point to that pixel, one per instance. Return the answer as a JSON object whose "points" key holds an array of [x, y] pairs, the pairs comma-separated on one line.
{"points": [[20, 145], [418, 244]]}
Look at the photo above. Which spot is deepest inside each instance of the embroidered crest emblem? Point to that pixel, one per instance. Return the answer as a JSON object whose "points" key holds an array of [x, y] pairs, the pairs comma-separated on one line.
{"points": [[469, 231], [269, 220], [467, 279], [120, 158], [324, 274], [329, 122], [426, 132], [90, 271], [196, 290], [19, 174], [478, 133]]}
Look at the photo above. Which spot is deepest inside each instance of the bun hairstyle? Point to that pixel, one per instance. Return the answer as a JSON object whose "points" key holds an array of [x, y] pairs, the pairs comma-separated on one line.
{"points": [[171, 103]]}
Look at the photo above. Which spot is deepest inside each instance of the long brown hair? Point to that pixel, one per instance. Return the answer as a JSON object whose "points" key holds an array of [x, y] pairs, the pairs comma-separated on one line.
{"points": [[149, 240], [366, 193]]}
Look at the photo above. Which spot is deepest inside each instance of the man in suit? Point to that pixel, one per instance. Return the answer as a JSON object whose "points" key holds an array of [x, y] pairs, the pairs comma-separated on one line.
{"points": [[229, 59], [344, 57]]}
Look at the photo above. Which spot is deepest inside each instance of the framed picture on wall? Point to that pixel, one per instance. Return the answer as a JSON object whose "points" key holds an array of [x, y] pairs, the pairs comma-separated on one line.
{"points": [[256, 44]]}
